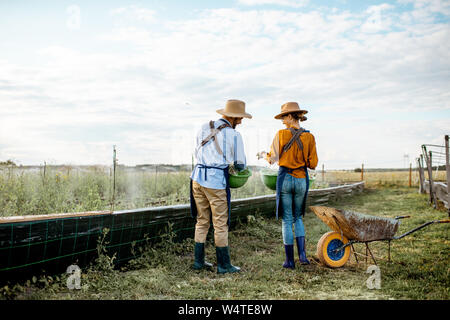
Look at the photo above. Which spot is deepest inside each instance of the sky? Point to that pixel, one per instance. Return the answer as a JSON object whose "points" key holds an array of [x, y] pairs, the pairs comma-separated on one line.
{"points": [[78, 77]]}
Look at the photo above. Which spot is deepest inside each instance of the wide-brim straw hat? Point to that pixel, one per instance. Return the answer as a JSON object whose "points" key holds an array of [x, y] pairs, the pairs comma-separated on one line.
{"points": [[234, 109], [291, 107]]}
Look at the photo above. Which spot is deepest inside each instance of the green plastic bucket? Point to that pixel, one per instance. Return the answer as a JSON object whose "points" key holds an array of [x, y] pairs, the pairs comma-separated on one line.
{"points": [[269, 178], [239, 179]]}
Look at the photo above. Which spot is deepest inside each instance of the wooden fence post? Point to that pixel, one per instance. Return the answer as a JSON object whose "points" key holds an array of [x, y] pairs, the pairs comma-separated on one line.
{"points": [[430, 179], [362, 172], [323, 172], [421, 175], [410, 174], [447, 168]]}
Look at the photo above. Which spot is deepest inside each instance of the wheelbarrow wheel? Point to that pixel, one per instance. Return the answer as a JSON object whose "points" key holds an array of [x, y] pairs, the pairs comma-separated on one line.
{"points": [[326, 249]]}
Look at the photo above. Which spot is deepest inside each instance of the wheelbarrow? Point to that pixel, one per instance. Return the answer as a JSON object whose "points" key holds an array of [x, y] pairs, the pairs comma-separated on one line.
{"points": [[333, 248]]}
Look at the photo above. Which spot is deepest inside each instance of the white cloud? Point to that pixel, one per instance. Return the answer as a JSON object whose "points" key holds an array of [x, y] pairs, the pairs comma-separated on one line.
{"points": [[377, 20], [436, 6], [74, 17], [425, 11], [287, 3], [135, 13]]}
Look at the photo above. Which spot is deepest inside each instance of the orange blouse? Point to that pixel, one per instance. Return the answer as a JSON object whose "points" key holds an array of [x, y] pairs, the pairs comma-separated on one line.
{"points": [[294, 157]]}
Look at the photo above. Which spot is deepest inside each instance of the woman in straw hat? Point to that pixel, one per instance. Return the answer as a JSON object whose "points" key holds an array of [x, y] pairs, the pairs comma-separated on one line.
{"points": [[294, 148]]}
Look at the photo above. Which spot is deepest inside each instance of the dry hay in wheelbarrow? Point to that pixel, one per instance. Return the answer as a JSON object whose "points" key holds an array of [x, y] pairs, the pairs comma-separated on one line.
{"points": [[357, 226]]}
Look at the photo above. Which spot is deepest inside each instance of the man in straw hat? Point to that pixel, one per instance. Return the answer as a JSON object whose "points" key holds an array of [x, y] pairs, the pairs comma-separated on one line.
{"points": [[294, 148], [218, 146]]}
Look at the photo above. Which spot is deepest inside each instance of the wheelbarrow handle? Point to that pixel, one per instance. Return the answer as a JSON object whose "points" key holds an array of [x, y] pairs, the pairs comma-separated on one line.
{"points": [[420, 227]]}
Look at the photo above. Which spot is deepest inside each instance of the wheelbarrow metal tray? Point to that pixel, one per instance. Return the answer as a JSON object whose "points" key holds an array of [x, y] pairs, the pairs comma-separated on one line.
{"points": [[357, 226]]}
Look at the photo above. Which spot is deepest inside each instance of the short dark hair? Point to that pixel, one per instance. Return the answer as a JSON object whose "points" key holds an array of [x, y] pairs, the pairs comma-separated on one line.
{"points": [[295, 115]]}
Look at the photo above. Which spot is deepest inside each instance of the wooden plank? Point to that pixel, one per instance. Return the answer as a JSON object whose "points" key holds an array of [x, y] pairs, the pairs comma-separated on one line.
{"points": [[430, 179], [51, 216], [440, 191]]}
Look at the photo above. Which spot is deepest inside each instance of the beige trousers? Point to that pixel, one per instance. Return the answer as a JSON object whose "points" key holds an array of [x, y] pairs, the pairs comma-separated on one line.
{"points": [[211, 202]]}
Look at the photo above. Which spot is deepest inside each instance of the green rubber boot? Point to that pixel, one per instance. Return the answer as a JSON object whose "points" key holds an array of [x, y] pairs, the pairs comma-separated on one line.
{"points": [[199, 254], [223, 261]]}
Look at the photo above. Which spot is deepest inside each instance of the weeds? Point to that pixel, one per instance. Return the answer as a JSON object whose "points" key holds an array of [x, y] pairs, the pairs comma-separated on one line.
{"points": [[104, 263]]}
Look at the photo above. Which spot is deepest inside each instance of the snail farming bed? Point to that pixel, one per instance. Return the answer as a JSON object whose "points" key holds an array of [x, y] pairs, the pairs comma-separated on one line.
{"points": [[32, 245]]}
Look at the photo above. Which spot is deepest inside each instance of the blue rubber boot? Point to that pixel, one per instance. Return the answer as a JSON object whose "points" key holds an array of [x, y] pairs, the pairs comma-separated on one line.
{"points": [[301, 250], [223, 261], [199, 255], [289, 251]]}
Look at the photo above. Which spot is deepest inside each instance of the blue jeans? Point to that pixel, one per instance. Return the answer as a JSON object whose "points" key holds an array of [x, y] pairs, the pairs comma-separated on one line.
{"points": [[293, 188]]}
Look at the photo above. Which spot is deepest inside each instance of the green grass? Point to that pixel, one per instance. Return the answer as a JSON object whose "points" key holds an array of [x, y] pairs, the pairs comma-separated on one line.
{"points": [[25, 192], [419, 267]]}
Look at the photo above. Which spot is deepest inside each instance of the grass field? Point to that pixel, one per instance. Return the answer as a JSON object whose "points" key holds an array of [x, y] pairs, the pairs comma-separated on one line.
{"points": [[64, 189], [419, 267]]}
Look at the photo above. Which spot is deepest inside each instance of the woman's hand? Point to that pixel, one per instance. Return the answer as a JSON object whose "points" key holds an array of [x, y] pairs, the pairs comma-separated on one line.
{"points": [[264, 155], [261, 154]]}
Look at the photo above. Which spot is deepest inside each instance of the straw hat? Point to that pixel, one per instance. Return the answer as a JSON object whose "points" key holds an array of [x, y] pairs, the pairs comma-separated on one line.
{"points": [[234, 109], [291, 107]]}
